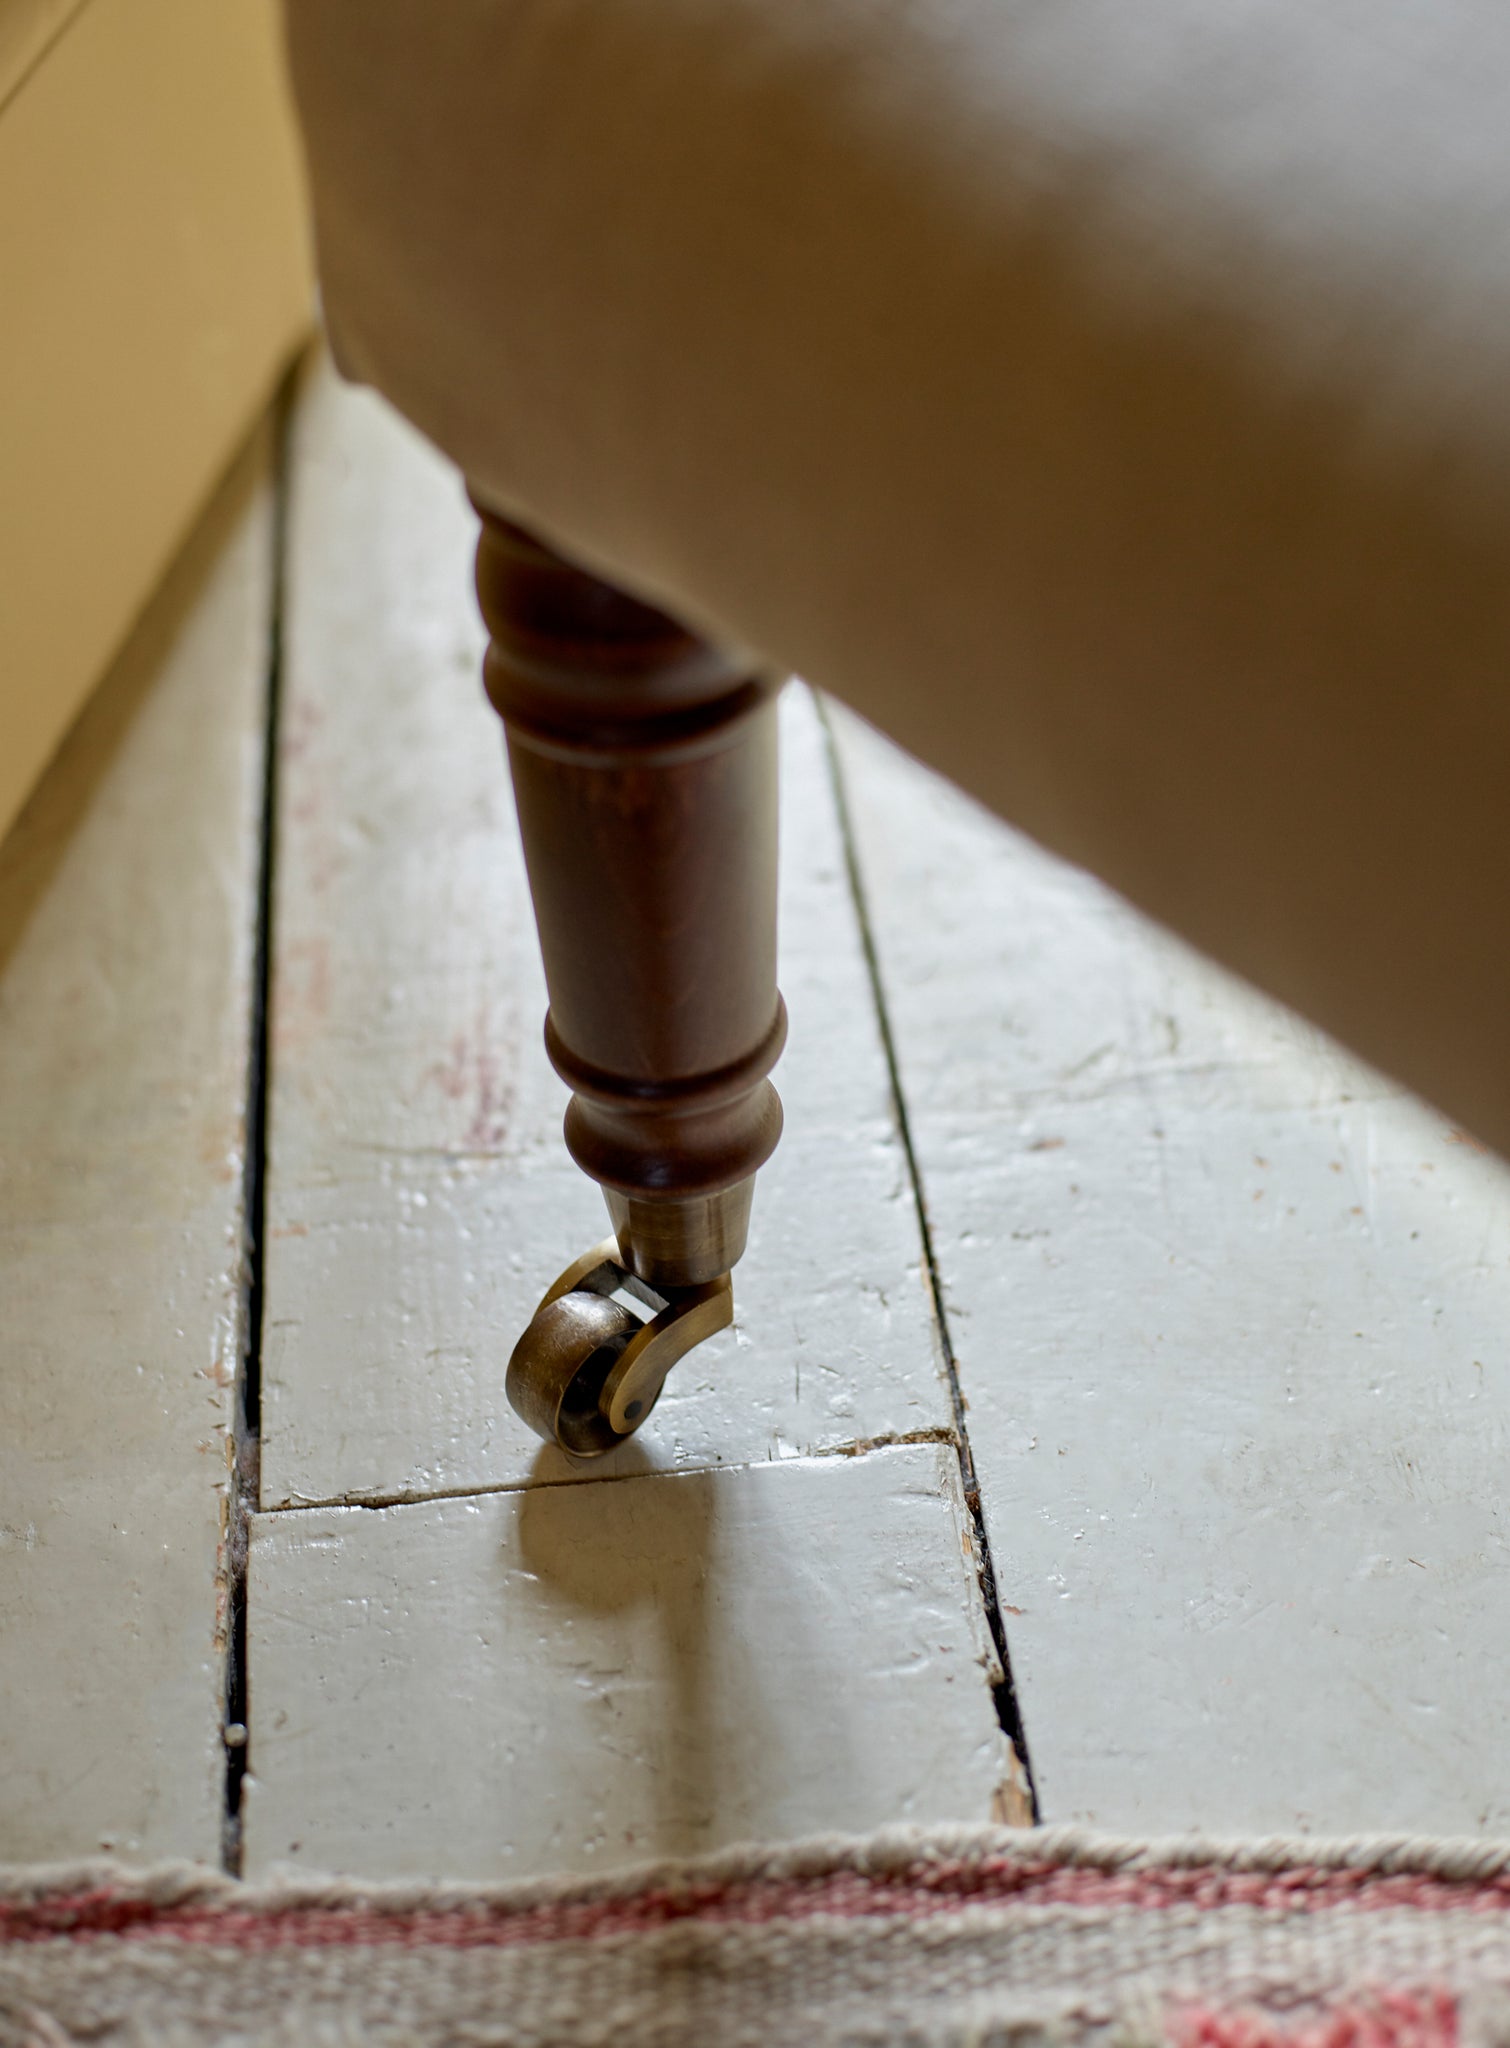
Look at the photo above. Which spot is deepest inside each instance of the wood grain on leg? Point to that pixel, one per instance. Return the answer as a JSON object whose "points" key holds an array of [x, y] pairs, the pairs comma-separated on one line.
{"points": [[644, 772]]}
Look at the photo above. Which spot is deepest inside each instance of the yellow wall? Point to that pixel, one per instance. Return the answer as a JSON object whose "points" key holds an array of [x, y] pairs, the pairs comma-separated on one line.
{"points": [[154, 279], [26, 28]]}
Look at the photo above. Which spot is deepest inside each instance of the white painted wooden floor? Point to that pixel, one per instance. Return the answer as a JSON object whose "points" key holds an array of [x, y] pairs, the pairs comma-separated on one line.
{"points": [[1227, 1316]]}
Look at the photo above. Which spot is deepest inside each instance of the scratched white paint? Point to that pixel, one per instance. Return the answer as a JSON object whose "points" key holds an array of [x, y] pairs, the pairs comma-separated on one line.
{"points": [[420, 1198], [1232, 1319], [587, 1675], [127, 899]]}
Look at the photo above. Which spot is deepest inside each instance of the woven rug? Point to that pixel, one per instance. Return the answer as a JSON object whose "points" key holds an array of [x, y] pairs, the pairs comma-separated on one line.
{"points": [[979, 1937]]}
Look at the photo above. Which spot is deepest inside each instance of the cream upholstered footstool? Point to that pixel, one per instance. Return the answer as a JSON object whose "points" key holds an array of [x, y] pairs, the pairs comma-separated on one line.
{"points": [[1109, 399]]}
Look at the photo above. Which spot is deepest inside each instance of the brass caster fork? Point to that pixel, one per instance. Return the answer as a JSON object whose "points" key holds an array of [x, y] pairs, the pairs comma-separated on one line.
{"points": [[588, 1370]]}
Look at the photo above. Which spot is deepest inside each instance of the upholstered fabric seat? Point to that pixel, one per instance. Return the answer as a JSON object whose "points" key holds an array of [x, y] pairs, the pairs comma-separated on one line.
{"points": [[1109, 397]]}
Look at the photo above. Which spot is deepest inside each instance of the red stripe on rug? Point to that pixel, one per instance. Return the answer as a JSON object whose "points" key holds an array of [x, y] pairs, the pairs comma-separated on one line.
{"points": [[1426, 2017], [926, 1890]]}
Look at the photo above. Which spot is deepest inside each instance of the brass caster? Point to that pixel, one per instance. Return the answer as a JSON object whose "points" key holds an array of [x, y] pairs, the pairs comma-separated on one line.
{"points": [[588, 1370]]}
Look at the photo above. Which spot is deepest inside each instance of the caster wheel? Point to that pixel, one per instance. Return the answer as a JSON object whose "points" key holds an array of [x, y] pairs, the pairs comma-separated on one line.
{"points": [[588, 1370]]}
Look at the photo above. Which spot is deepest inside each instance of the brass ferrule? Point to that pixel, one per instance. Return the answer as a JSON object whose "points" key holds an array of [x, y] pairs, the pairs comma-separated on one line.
{"points": [[681, 1241]]}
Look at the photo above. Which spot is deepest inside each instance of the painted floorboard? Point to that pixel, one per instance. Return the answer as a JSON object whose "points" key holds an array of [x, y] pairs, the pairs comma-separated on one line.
{"points": [[579, 1676], [127, 907], [420, 1198], [1231, 1317]]}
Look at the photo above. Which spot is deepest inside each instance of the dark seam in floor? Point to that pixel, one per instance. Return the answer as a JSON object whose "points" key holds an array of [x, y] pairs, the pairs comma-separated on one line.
{"points": [[246, 1414], [1008, 1710], [419, 1497]]}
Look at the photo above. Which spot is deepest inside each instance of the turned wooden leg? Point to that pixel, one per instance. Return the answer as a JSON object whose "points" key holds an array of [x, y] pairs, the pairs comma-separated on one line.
{"points": [[644, 766]]}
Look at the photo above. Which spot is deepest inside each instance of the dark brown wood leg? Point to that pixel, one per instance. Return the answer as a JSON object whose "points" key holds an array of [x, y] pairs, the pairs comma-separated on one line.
{"points": [[644, 766]]}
